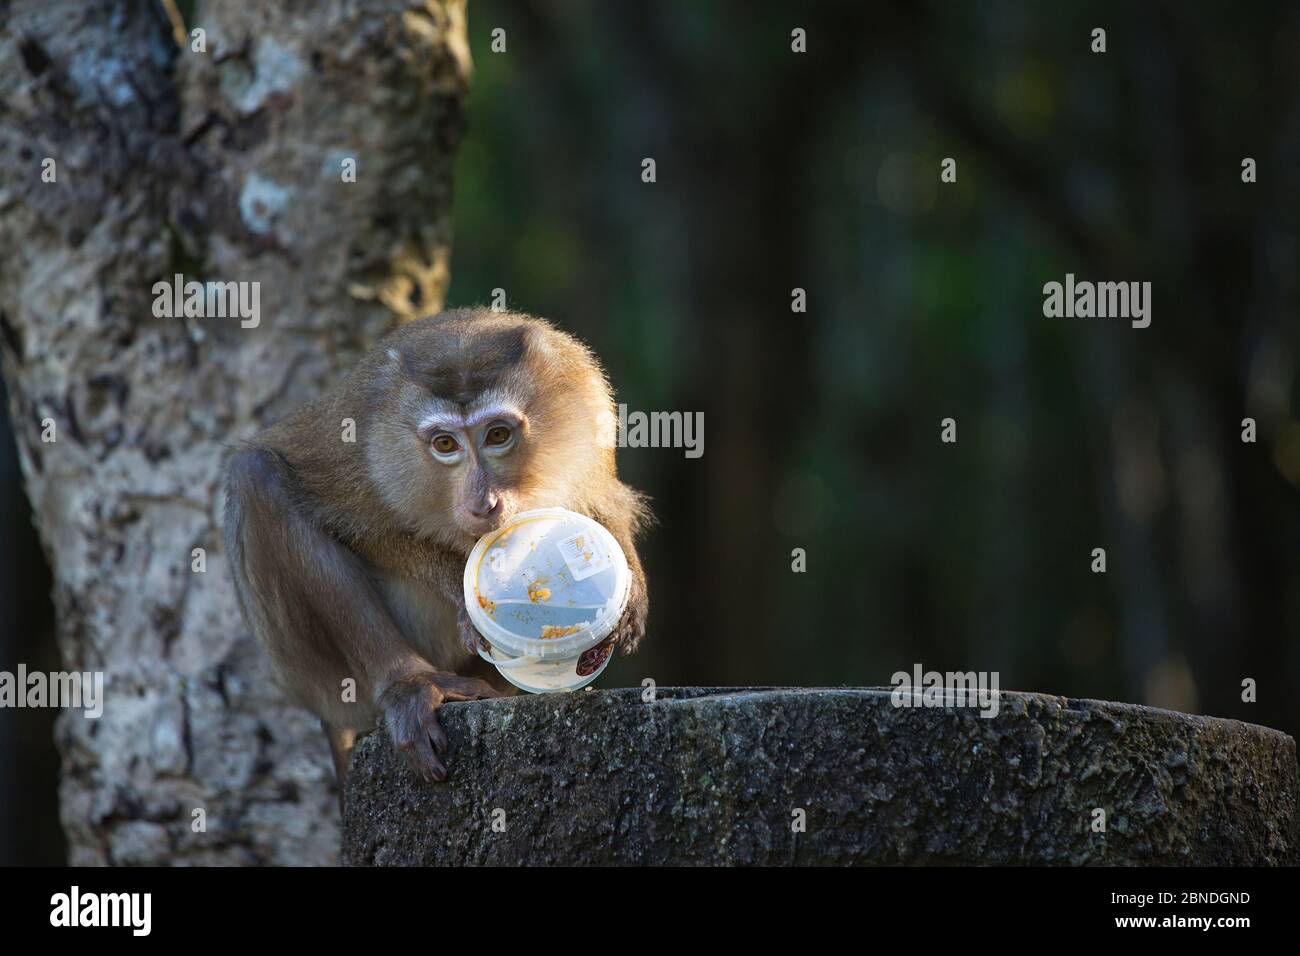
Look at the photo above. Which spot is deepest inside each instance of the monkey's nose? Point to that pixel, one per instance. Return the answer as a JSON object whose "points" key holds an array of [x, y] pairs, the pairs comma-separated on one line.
{"points": [[486, 507]]}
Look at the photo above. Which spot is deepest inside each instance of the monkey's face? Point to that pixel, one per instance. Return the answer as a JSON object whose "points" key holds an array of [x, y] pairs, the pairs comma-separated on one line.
{"points": [[478, 456], [452, 470], [479, 418]]}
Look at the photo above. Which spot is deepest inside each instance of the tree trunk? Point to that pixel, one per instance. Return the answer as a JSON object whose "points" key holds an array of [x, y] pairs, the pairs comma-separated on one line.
{"points": [[227, 166]]}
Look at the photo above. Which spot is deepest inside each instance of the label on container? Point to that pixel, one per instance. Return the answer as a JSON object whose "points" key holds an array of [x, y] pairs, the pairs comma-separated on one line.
{"points": [[582, 556]]}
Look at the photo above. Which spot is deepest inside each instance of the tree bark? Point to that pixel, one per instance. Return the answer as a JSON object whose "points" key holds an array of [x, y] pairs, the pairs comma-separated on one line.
{"points": [[224, 165]]}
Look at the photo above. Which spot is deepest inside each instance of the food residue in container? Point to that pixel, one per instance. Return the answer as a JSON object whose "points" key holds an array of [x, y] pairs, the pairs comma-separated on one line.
{"points": [[552, 631], [485, 604], [538, 593]]}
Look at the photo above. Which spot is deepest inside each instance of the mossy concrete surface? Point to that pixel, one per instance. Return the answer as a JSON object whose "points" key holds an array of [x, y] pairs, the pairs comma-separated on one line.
{"points": [[728, 775]]}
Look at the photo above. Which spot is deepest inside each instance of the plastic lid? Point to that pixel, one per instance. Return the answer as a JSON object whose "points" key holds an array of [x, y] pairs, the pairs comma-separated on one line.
{"points": [[549, 583]]}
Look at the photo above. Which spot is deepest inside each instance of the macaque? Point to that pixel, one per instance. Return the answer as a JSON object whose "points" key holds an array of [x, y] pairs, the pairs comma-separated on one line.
{"points": [[348, 554]]}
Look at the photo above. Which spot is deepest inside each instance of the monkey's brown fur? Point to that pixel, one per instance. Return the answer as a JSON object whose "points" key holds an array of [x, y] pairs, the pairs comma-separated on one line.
{"points": [[347, 556]]}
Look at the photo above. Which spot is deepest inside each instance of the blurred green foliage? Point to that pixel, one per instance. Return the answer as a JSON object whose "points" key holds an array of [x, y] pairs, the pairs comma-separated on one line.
{"points": [[820, 170]]}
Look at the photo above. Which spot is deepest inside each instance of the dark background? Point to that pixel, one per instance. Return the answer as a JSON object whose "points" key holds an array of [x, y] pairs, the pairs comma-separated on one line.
{"points": [[821, 171]]}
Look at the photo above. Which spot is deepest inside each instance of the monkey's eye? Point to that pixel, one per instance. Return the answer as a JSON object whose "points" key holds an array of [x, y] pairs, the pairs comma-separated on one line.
{"points": [[445, 445], [497, 435]]}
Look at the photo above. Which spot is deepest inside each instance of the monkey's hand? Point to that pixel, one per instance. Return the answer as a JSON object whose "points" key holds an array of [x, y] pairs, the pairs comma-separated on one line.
{"points": [[631, 626], [410, 708], [469, 635]]}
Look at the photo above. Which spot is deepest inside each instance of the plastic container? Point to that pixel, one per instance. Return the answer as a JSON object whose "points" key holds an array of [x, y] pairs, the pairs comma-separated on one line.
{"points": [[546, 590]]}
